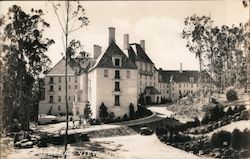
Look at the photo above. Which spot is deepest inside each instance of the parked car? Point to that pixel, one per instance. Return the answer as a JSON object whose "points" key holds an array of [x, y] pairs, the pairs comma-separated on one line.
{"points": [[146, 131]]}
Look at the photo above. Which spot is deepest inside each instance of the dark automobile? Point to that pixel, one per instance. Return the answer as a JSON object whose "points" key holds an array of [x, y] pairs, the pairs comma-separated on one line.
{"points": [[145, 131]]}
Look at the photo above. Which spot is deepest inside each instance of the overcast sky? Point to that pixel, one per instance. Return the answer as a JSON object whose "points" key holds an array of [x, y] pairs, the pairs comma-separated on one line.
{"points": [[158, 23]]}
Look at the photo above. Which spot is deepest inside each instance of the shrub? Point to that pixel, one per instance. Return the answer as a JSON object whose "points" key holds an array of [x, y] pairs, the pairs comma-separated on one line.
{"points": [[131, 111], [236, 139], [231, 95], [241, 108], [216, 113], [230, 111], [244, 115], [103, 112], [87, 112], [205, 119], [125, 117], [111, 117], [219, 139]]}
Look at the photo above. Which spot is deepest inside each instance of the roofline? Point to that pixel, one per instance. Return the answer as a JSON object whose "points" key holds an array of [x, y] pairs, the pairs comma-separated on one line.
{"points": [[55, 65]]}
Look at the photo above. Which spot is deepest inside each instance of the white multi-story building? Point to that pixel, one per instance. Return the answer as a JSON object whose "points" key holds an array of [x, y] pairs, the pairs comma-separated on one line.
{"points": [[116, 78]]}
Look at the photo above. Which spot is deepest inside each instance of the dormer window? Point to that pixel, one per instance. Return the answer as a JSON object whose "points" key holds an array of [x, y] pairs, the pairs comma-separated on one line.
{"points": [[117, 62]]}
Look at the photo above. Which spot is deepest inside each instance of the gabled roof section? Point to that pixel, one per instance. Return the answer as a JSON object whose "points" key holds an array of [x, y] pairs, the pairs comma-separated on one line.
{"points": [[136, 53], [184, 76], [105, 60], [151, 90], [59, 68]]}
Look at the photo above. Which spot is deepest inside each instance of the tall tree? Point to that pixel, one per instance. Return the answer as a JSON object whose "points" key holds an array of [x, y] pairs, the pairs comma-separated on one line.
{"points": [[24, 59], [71, 17], [195, 30]]}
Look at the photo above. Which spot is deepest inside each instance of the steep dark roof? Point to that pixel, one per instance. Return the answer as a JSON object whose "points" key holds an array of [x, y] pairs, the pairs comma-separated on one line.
{"points": [[177, 76], [151, 90], [138, 54], [106, 59]]}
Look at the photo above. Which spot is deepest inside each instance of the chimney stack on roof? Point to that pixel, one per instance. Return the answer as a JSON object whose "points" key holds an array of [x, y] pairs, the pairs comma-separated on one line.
{"points": [[142, 44], [111, 35], [126, 42], [97, 51], [181, 68]]}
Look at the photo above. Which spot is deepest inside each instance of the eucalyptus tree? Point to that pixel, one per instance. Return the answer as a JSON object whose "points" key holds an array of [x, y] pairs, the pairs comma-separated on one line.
{"points": [[24, 60], [71, 18], [195, 31]]}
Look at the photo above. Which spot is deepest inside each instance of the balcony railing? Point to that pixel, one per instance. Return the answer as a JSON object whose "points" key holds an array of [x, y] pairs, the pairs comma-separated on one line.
{"points": [[117, 77], [117, 89], [146, 73], [117, 104]]}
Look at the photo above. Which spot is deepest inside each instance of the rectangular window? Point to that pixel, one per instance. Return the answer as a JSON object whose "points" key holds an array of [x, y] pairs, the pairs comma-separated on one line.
{"points": [[59, 79], [128, 74], [69, 78], [59, 99], [51, 99], [78, 98], [69, 98], [145, 77], [51, 80], [117, 100], [75, 79], [191, 79], [180, 85], [145, 83], [140, 76], [105, 73], [51, 88], [117, 74], [75, 86], [140, 83], [59, 88], [117, 86], [59, 108], [117, 62], [191, 85]]}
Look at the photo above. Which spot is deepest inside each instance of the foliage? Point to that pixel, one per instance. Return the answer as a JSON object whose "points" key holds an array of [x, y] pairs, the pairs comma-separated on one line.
{"points": [[111, 117], [229, 111], [103, 112], [131, 111], [87, 112], [236, 139], [221, 50], [141, 100], [231, 95], [23, 52], [244, 115], [221, 139], [125, 117]]}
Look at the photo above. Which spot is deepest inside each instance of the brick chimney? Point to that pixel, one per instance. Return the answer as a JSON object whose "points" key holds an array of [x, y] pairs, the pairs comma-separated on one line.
{"points": [[111, 34], [97, 51], [142, 44], [126, 42]]}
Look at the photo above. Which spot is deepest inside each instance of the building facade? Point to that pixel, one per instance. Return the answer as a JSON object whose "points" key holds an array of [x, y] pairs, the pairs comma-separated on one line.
{"points": [[116, 78]]}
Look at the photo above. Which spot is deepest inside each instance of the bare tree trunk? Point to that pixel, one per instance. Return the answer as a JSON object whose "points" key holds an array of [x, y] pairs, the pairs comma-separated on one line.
{"points": [[66, 83]]}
